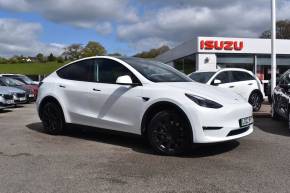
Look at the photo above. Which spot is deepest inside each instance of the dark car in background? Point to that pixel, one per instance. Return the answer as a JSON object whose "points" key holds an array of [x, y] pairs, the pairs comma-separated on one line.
{"points": [[5, 81], [281, 99]]}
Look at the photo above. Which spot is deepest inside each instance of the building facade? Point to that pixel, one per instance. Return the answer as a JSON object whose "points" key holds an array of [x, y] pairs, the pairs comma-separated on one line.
{"points": [[209, 53]]}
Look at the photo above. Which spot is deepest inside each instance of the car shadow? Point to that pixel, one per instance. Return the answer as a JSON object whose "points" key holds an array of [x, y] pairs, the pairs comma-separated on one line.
{"points": [[274, 127], [135, 142], [5, 111]]}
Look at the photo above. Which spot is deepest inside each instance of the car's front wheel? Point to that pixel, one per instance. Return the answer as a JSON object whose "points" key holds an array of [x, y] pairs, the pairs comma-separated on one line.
{"points": [[256, 100], [274, 114], [169, 133], [52, 118]]}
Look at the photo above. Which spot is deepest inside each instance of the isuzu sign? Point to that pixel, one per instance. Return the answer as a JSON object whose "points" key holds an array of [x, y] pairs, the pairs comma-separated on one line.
{"points": [[221, 45]]}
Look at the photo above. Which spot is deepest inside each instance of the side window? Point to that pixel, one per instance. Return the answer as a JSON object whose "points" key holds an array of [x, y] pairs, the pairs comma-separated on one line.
{"points": [[80, 71], [241, 76], [224, 77], [107, 71], [287, 78]]}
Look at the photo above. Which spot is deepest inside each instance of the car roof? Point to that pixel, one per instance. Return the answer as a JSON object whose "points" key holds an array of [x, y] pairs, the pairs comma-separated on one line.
{"points": [[226, 69]]}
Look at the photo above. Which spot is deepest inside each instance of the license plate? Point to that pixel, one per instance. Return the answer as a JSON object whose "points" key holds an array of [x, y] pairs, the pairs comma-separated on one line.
{"points": [[22, 99], [31, 95], [246, 121], [9, 102]]}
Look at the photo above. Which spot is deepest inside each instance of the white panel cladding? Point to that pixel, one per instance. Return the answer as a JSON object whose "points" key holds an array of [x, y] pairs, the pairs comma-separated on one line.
{"points": [[206, 62]]}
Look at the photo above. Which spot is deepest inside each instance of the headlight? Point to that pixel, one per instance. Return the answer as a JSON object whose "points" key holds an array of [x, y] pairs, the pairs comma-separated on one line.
{"points": [[204, 102]]}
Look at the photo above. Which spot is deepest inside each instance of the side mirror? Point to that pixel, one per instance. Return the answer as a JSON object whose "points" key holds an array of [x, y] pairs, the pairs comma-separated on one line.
{"points": [[124, 80], [217, 82]]}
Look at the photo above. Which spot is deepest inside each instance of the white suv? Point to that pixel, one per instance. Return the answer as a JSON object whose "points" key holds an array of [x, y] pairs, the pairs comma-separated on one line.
{"points": [[142, 97], [241, 81]]}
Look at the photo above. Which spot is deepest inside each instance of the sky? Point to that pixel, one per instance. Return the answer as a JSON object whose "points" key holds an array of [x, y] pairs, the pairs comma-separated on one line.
{"points": [[28, 27]]}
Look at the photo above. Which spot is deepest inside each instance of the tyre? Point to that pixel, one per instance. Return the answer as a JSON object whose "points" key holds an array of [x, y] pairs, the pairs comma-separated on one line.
{"points": [[52, 118], [256, 100], [274, 114], [169, 133]]}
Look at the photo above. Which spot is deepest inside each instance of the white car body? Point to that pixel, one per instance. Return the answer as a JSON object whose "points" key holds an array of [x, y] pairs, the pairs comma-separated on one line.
{"points": [[243, 88], [122, 107]]}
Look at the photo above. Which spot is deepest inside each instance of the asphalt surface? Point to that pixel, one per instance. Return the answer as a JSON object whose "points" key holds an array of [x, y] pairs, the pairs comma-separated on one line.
{"points": [[84, 160]]}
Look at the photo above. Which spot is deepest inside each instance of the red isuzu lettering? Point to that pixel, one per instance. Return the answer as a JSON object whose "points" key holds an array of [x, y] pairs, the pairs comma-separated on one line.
{"points": [[221, 45]]}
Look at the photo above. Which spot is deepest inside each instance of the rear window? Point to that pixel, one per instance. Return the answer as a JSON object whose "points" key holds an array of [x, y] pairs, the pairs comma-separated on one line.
{"points": [[241, 76]]}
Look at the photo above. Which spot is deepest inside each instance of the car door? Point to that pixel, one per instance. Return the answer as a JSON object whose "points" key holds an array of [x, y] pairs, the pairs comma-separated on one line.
{"points": [[225, 78], [243, 83], [116, 107], [75, 87]]}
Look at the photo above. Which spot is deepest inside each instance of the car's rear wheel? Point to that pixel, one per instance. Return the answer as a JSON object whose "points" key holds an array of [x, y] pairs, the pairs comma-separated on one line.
{"points": [[169, 133], [52, 118], [256, 100]]}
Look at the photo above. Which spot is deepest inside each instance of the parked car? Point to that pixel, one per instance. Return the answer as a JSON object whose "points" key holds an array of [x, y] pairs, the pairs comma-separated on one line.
{"points": [[6, 99], [143, 97], [281, 98], [19, 96], [22, 78], [241, 81], [33, 85], [17, 84]]}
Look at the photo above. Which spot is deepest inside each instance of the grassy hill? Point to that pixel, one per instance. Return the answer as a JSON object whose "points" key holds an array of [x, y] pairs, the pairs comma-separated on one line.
{"points": [[30, 68]]}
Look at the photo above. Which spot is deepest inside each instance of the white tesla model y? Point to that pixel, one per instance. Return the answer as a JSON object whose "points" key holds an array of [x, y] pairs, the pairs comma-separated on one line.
{"points": [[142, 97]]}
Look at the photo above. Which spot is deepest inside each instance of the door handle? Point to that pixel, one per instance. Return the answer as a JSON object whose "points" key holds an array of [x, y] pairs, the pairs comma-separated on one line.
{"points": [[231, 86], [97, 90], [250, 84], [61, 86]]}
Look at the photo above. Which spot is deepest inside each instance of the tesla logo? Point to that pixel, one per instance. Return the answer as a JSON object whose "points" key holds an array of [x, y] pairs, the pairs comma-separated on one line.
{"points": [[221, 45]]}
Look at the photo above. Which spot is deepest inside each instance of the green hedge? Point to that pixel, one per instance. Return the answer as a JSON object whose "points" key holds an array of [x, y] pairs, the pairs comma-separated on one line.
{"points": [[30, 68]]}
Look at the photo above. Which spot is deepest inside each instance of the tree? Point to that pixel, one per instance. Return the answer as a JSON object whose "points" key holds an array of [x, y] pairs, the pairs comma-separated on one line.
{"points": [[73, 51], [60, 59], [153, 53], [115, 54], [93, 49], [282, 30], [51, 58], [40, 57]]}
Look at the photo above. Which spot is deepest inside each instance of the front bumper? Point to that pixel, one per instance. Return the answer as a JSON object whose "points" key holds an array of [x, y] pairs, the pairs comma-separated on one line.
{"points": [[218, 125], [6, 103]]}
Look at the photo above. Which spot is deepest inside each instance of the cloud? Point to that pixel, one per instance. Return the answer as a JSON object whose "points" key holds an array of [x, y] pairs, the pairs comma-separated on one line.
{"points": [[21, 38], [86, 14], [104, 28], [144, 24], [177, 21]]}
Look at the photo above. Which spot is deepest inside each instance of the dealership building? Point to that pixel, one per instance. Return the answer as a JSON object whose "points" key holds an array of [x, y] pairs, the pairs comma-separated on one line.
{"points": [[209, 53]]}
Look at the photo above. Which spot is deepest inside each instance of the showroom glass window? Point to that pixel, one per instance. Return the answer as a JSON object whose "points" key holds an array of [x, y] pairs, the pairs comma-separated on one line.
{"points": [[107, 71], [224, 77], [79, 71], [241, 76]]}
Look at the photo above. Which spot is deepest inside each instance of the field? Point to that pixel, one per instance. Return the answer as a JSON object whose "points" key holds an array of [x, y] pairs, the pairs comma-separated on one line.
{"points": [[30, 68]]}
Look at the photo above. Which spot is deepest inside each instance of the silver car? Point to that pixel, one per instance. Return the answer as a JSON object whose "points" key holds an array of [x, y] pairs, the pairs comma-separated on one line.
{"points": [[6, 99], [19, 96]]}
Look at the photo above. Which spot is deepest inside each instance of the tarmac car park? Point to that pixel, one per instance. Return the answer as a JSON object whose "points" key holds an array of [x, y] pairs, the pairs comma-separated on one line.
{"points": [[84, 159]]}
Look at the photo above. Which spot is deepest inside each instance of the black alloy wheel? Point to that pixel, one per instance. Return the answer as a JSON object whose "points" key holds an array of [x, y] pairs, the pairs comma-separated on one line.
{"points": [[169, 133], [274, 114], [255, 100], [52, 118]]}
